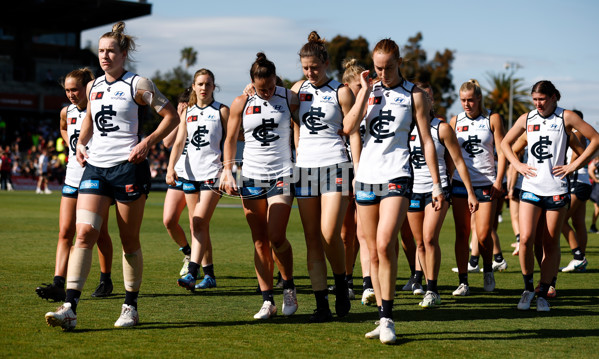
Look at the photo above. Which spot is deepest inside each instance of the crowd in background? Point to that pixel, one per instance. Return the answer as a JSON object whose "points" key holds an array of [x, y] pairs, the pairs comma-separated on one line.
{"points": [[21, 158]]}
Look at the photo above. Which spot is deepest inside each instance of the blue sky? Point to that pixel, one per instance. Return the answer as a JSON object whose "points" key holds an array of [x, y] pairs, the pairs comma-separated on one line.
{"points": [[552, 40]]}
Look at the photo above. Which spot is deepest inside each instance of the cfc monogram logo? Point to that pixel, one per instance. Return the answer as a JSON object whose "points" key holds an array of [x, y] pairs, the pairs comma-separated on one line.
{"points": [[103, 118], [312, 119], [471, 146], [540, 151], [197, 140], [73, 142], [263, 133], [417, 158], [379, 124]]}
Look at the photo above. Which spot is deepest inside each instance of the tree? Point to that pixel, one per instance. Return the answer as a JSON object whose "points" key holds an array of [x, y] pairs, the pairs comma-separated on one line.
{"points": [[415, 65], [497, 97], [342, 47], [172, 83], [437, 72], [189, 56]]}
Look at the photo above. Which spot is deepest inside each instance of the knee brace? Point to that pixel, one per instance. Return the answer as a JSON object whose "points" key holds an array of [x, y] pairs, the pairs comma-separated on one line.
{"points": [[88, 217], [132, 270], [80, 262]]}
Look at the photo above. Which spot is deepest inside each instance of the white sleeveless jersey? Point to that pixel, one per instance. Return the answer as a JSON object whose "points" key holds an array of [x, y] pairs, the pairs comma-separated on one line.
{"points": [[206, 135], [320, 118], [388, 124], [74, 169], [267, 132], [478, 145], [115, 116], [180, 165], [582, 174], [547, 146], [423, 181], [518, 184]]}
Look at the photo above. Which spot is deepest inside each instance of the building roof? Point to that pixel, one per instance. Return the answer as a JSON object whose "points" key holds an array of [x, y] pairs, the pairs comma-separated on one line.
{"points": [[70, 15]]}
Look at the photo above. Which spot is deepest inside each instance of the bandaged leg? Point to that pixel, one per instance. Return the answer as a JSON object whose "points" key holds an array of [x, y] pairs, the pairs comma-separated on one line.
{"points": [[318, 275], [132, 270], [80, 262], [88, 217]]}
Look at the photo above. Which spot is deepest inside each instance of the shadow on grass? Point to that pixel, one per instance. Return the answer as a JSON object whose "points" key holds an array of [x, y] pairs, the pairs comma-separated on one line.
{"points": [[519, 334]]}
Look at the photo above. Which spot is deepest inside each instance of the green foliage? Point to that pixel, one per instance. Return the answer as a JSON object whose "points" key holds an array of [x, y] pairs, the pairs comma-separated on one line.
{"points": [[437, 72], [189, 56], [172, 84], [218, 322], [342, 47], [497, 97], [416, 66]]}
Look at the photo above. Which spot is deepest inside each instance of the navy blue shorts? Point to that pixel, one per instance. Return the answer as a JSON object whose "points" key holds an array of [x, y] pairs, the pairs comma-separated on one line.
{"points": [[581, 190], [549, 203], [178, 185], [262, 189], [124, 182], [70, 191], [516, 193], [190, 187], [482, 193], [369, 194], [419, 201], [315, 181]]}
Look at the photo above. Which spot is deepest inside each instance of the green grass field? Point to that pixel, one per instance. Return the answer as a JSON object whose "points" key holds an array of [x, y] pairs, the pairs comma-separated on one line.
{"points": [[219, 322]]}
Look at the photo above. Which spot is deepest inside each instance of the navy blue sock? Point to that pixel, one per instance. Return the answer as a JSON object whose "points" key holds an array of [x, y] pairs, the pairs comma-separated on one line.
{"points": [[367, 282], [209, 270], [105, 277], [193, 269], [518, 237], [418, 276], [432, 286], [267, 295], [349, 278], [340, 282], [186, 250], [528, 282], [488, 267], [498, 257], [473, 261], [288, 284], [577, 253], [412, 270], [73, 298], [463, 278], [59, 281], [131, 298], [322, 299], [553, 282], [543, 289], [387, 309]]}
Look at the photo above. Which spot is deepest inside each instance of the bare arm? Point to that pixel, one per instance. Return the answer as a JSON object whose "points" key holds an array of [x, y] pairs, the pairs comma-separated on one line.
{"points": [[421, 115], [510, 138], [572, 121], [498, 134], [450, 141], [63, 125], [181, 131], [86, 132], [167, 125], [227, 182], [352, 119]]}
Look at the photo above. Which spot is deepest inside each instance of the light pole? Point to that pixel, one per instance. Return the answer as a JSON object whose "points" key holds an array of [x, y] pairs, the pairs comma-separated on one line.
{"points": [[513, 66]]}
